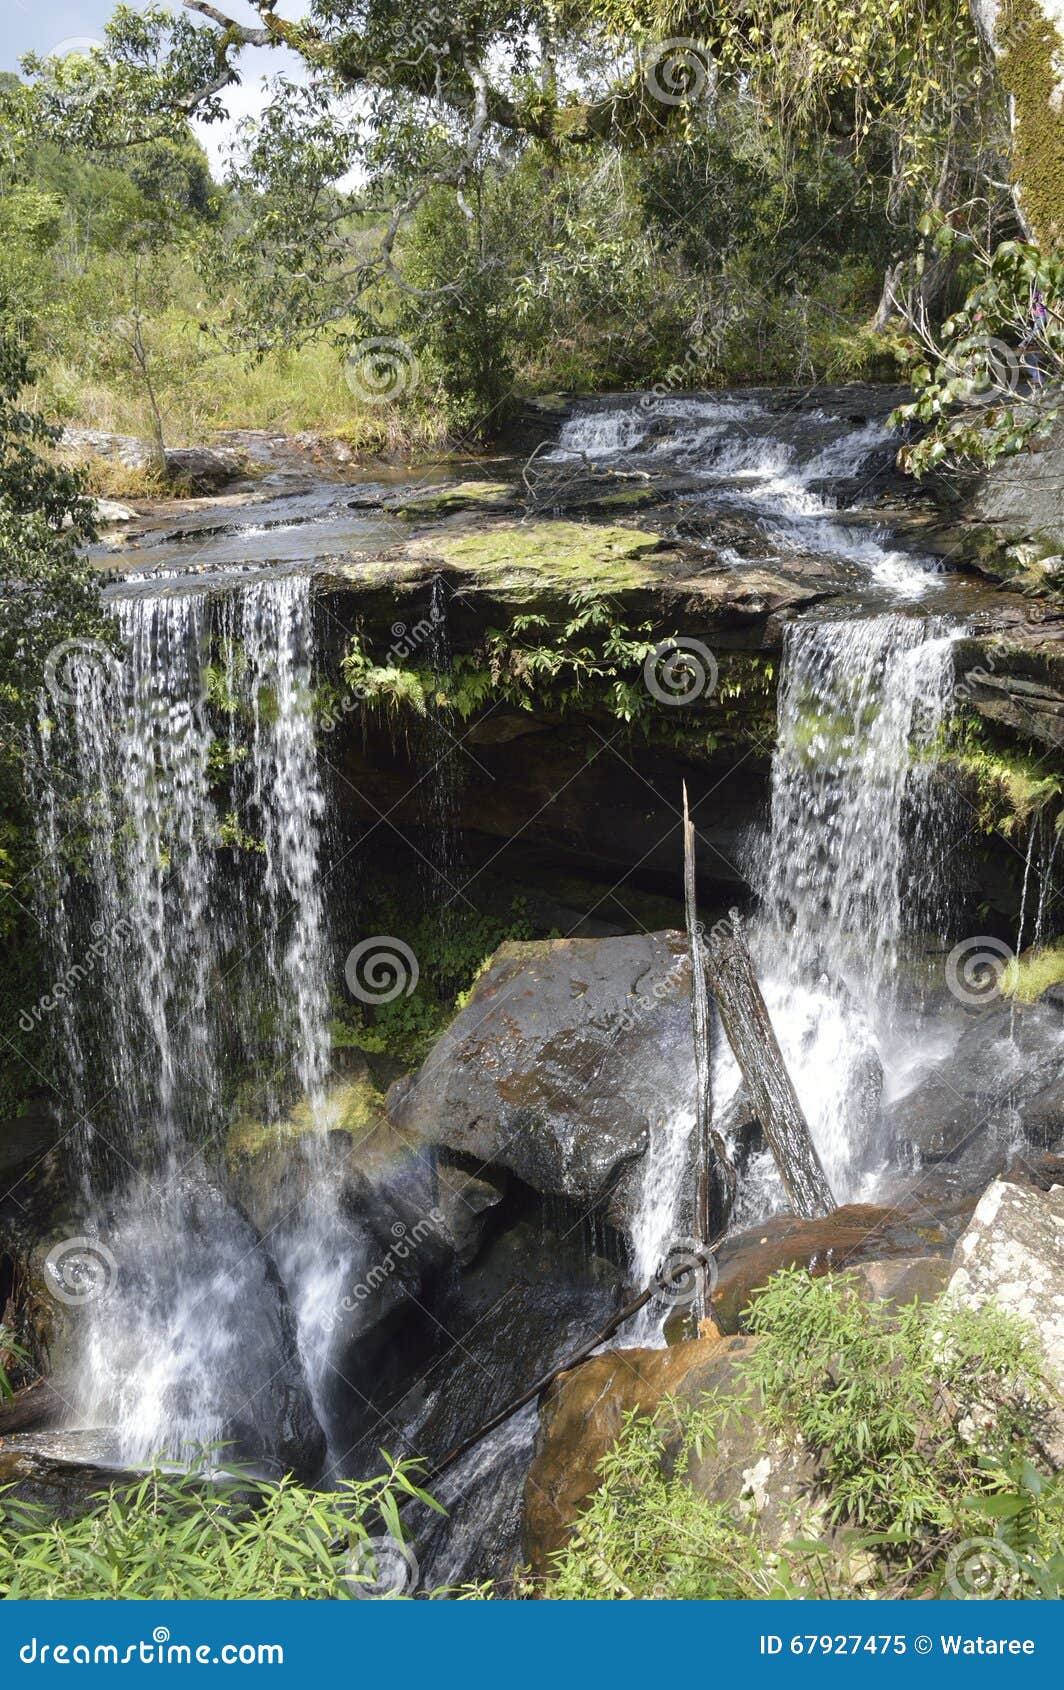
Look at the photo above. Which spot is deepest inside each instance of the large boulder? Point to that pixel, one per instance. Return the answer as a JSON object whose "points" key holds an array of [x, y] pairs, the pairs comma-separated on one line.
{"points": [[582, 1417], [854, 1234], [565, 1055], [199, 469], [1001, 1082], [1012, 1255]]}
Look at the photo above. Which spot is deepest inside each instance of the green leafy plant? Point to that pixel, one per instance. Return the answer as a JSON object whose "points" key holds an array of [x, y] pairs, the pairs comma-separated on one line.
{"points": [[200, 1535], [920, 1421], [12, 1354], [989, 384]]}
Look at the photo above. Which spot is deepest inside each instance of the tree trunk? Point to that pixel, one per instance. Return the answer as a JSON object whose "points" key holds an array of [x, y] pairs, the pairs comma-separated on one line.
{"points": [[35, 1406], [750, 1033]]}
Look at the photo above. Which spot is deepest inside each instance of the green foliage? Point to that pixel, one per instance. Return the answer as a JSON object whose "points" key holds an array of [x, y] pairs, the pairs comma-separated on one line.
{"points": [[198, 1535], [462, 334], [648, 1535], [869, 1388], [12, 1354], [600, 237], [48, 595], [920, 1420], [452, 950], [992, 385], [1011, 785], [592, 660]]}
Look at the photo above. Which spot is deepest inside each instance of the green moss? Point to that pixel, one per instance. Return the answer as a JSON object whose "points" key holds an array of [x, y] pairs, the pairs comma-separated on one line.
{"points": [[1028, 976], [1031, 43], [1011, 785], [464, 495], [557, 554], [354, 1106]]}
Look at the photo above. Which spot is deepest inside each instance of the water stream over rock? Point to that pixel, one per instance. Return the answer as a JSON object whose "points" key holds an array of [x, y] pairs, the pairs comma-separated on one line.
{"points": [[203, 884], [198, 963]]}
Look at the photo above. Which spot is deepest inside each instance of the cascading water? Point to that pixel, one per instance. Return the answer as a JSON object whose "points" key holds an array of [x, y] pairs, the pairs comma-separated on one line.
{"points": [[188, 1346], [737, 449], [852, 865]]}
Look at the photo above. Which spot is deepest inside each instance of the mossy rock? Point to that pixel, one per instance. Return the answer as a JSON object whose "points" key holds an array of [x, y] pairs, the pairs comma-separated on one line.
{"points": [[1026, 977], [1012, 785], [354, 1107], [553, 554], [462, 496], [1031, 43]]}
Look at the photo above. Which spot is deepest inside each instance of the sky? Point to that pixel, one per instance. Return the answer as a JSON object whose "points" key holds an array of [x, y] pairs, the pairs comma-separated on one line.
{"points": [[43, 26]]}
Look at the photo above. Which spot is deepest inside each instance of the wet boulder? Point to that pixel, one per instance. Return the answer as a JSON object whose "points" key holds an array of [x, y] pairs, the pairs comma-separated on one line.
{"points": [[566, 1054], [746, 1465], [1001, 1085], [854, 1234], [177, 1330]]}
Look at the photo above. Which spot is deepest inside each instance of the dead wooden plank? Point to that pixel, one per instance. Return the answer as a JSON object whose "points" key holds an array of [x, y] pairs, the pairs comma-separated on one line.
{"points": [[36, 1405], [750, 1033]]}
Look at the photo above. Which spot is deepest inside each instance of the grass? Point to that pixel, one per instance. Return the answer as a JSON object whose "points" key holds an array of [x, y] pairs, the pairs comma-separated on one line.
{"points": [[204, 389], [199, 1535]]}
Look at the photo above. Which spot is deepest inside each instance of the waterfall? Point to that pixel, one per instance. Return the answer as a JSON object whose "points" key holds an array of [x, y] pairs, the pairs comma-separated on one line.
{"points": [[205, 966], [853, 865], [861, 708]]}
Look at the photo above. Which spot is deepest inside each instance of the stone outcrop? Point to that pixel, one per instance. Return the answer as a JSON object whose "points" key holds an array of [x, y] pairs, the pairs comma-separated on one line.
{"points": [[1012, 1255], [564, 1056], [199, 469], [1002, 1078], [856, 1234], [582, 1417]]}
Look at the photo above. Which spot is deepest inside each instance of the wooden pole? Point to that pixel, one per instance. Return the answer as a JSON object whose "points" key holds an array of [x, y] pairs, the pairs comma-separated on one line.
{"points": [[703, 1070], [752, 1037], [542, 1383]]}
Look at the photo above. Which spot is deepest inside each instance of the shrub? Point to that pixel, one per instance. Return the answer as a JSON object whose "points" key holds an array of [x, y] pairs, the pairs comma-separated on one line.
{"points": [[921, 1421], [195, 1535]]}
